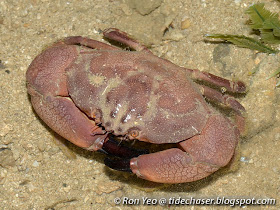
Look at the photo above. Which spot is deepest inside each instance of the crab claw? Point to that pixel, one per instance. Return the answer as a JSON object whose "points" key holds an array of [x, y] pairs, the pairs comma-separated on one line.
{"points": [[119, 155], [196, 158], [118, 164], [115, 149]]}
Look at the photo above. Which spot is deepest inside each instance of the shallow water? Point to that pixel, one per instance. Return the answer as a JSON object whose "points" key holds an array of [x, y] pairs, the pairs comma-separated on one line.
{"points": [[41, 173]]}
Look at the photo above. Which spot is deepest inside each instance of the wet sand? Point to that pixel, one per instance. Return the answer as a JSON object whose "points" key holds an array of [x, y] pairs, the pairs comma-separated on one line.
{"points": [[38, 172]]}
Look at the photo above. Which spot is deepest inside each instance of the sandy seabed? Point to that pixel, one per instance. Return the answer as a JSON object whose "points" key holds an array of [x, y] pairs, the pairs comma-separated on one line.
{"points": [[38, 172]]}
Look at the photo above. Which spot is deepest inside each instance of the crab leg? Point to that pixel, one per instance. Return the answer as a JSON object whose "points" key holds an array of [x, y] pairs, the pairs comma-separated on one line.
{"points": [[198, 157], [122, 37], [75, 40], [236, 87], [226, 100]]}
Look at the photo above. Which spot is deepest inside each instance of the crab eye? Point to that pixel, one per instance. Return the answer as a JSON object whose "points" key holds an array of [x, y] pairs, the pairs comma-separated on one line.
{"points": [[134, 133]]}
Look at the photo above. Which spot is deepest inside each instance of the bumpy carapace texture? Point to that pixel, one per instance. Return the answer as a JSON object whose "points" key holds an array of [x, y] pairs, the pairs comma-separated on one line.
{"points": [[84, 93], [136, 92]]}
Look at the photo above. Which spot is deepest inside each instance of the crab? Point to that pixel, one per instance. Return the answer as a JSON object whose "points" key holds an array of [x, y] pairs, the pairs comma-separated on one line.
{"points": [[90, 92]]}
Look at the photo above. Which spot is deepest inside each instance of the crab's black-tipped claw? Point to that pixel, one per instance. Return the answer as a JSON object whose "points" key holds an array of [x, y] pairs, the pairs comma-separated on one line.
{"points": [[118, 164], [114, 148], [119, 155]]}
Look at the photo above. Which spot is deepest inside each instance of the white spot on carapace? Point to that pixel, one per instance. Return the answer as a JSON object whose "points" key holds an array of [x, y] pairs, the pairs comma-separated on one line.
{"points": [[139, 117], [105, 90], [118, 108], [96, 79], [128, 117], [195, 129]]}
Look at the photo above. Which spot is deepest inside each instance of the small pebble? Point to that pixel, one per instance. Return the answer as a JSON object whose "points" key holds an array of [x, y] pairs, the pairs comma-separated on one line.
{"points": [[41, 144], [3, 175], [100, 199], [4, 129], [67, 189], [110, 200], [6, 158], [186, 23], [35, 163], [244, 159], [145, 7], [125, 8], [108, 187], [86, 199]]}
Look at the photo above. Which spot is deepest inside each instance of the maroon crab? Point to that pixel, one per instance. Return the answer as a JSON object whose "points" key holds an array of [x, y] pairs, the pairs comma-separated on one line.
{"points": [[87, 91]]}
